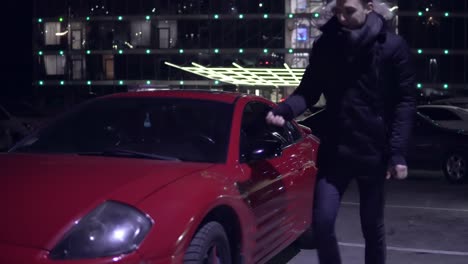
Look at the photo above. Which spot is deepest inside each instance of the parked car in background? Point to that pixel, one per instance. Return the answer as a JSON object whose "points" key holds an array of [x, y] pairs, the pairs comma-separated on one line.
{"points": [[158, 177], [457, 101], [449, 116], [17, 120], [432, 146]]}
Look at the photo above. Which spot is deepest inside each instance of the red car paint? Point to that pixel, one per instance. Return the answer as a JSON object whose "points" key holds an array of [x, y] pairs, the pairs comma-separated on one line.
{"points": [[271, 200]]}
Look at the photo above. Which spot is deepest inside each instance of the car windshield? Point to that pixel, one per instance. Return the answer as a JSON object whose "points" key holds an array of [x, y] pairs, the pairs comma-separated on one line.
{"points": [[165, 128]]}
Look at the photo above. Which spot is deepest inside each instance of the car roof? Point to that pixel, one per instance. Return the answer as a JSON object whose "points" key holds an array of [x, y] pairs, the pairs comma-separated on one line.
{"points": [[452, 107], [461, 112], [221, 96]]}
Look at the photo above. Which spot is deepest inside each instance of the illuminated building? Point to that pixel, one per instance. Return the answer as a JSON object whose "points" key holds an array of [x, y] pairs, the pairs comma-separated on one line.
{"points": [[105, 46]]}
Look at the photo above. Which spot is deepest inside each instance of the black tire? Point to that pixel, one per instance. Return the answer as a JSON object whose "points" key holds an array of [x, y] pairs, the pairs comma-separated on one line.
{"points": [[209, 243], [455, 167]]}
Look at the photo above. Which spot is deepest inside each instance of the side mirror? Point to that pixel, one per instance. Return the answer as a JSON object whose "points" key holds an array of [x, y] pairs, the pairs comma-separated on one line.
{"points": [[264, 149]]}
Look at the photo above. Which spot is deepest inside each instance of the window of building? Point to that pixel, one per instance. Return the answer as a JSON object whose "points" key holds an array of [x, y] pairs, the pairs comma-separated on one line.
{"points": [[54, 64], [77, 33], [141, 33], [301, 6], [302, 33], [108, 62], [51, 30], [164, 37], [76, 39], [78, 67]]}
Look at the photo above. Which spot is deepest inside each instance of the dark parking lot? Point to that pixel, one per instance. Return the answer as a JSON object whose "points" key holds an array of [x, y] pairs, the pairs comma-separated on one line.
{"points": [[426, 222]]}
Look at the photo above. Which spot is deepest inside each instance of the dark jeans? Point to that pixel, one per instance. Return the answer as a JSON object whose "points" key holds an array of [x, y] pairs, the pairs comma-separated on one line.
{"points": [[331, 184]]}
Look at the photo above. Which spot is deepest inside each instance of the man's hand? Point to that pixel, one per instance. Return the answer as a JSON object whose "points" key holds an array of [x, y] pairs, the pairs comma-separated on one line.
{"points": [[399, 172], [276, 120]]}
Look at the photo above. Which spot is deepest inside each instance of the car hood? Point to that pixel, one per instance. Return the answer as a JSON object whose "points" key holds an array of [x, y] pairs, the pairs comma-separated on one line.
{"points": [[44, 194]]}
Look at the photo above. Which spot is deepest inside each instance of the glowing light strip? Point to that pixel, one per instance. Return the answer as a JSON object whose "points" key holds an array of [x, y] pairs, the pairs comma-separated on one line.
{"points": [[213, 74], [260, 79], [290, 71], [59, 34], [239, 75], [277, 76]]}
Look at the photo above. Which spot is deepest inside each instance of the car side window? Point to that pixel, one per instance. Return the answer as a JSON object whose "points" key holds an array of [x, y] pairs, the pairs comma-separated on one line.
{"points": [[254, 127], [439, 114], [422, 124]]}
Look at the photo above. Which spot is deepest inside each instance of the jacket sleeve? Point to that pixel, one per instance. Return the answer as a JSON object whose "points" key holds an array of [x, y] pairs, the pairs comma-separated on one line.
{"points": [[404, 105], [309, 90]]}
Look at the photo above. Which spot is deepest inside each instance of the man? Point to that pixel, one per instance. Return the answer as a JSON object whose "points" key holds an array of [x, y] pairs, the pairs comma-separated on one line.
{"points": [[366, 76]]}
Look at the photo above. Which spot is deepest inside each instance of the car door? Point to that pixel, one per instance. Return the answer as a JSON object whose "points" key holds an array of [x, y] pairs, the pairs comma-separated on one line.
{"points": [[425, 147], [301, 152], [268, 189]]}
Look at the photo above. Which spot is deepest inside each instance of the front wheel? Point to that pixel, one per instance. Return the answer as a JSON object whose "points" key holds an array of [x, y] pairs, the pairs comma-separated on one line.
{"points": [[210, 245], [455, 168]]}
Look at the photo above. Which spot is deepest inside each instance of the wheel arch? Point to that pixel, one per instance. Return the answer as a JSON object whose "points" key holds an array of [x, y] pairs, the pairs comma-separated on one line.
{"points": [[228, 218]]}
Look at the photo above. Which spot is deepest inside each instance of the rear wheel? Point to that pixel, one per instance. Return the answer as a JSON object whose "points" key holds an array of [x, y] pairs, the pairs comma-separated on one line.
{"points": [[455, 167], [210, 245]]}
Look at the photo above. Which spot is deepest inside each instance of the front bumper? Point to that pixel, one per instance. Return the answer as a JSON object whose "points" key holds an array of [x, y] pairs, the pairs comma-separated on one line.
{"points": [[13, 254]]}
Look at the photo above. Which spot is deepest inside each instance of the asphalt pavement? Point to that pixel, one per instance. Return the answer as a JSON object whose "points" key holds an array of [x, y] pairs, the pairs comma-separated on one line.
{"points": [[426, 223]]}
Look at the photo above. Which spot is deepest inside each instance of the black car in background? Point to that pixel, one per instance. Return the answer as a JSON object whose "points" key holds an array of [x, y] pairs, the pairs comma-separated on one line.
{"points": [[17, 120], [432, 146], [458, 101]]}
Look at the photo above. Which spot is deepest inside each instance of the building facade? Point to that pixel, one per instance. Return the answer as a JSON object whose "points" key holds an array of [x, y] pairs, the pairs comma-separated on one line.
{"points": [[437, 31], [87, 47]]}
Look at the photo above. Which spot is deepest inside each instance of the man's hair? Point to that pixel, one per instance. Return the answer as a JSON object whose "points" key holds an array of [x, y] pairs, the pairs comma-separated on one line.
{"points": [[326, 13]]}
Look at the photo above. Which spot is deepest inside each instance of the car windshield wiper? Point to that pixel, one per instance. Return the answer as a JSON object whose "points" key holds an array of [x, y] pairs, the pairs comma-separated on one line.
{"points": [[117, 152]]}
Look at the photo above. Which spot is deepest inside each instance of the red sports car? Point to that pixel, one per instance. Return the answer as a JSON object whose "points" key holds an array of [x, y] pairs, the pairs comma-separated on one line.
{"points": [[158, 177]]}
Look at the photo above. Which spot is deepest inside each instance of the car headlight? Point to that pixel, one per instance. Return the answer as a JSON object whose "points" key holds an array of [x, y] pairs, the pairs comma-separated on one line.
{"points": [[111, 229]]}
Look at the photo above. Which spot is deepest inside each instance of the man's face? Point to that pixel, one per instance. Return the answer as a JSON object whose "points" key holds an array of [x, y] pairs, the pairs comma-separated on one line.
{"points": [[352, 13]]}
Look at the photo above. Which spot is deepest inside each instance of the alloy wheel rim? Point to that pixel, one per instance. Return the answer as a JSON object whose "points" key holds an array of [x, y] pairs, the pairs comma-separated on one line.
{"points": [[456, 167]]}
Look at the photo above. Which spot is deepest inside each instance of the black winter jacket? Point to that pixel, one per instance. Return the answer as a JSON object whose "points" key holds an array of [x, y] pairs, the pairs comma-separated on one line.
{"points": [[370, 97]]}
